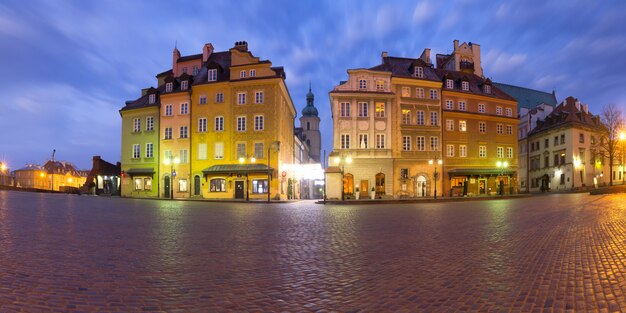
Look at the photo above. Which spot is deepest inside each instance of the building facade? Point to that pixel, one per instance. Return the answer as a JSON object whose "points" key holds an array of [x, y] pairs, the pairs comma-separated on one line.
{"points": [[53, 175]]}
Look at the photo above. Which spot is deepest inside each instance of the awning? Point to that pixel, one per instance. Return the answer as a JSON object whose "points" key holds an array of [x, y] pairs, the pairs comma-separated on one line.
{"points": [[140, 171], [479, 171], [237, 169]]}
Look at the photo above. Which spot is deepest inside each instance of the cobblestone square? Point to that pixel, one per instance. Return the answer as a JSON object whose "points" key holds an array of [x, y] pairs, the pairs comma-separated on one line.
{"points": [[547, 253]]}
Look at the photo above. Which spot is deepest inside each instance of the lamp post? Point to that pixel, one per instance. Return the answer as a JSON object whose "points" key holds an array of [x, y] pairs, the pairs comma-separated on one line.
{"points": [[171, 161], [343, 161], [622, 139], [269, 171], [501, 166], [435, 162]]}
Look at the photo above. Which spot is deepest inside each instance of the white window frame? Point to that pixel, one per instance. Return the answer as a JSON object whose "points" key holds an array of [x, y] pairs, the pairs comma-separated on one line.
{"points": [[149, 150], [449, 84], [219, 97], [344, 141], [362, 84], [462, 151], [380, 141], [509, 112], [258, 147], [252, 73], [259, 97], [462, 106], [363, 109], [202, 99], [481, 108], [406, 143], [434, 118], [259, 122], [218, 151], [449, 104], [488, 89], [242, 74], [184, 108], [420, 143], [136, 151], [509, 152], [202, 151], [500, 129], [167, 135], [380, 85], [202, 125], [183, 156], [212, 75], [462, 126], [183, 132], [434, 143], [184, 85], [406, 117], [241, 98], [450, 151], [465, 86], [168, 87], [149, 123], [509, 129], [498, 110], [500, 152], [482, 127], [420, 118], [419, 93], [169, 110], [363, 141], [434, 94], [219, 123], [344, 109], [151, 98], [137, 125], [241, 123], [418, 71], [482, 152], [450, 125]]}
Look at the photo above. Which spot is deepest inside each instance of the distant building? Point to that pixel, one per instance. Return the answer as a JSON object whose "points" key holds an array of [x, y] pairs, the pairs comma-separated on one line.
{"points": [[32, 176], [104, 178], [53, 175], [307, 148]]}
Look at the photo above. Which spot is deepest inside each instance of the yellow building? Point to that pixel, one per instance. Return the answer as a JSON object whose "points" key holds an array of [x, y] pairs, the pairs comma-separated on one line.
{"points": [[54, 175]]}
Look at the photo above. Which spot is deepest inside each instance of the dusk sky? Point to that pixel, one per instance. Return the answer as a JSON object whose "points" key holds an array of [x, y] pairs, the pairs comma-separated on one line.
{"points": [[69, 66]]}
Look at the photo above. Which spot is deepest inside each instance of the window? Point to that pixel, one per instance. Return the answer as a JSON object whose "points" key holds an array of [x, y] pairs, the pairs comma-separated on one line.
{"points": [[546, 143], [481, 108], [219, 97], [259, 186], [167, 154], [183, 132], [562, 179], [450, 125], [380, 85], [581, 138], [363, 109], [465, 86], [380, 109], [183, 156], [149, 150], [136, 151], [212, 75], [136, 125], [195, 70], [449, 84], [151, 98], [462, 126], [593, 140], [147, 183], [482, 151], [421, 143], [420, 118], [434, 143], [462, 106], [509, 112], [168, 110], [482, 127], [182, 185], [556, 140], [217, 185], [345, 141], [184, 70], [184, 108], [450, 150], [241, 123], [406, 92], [406, 117], [202, 151], [500, 152], [252, 73], [509, 130], [434, 94], [418, 71], [509, 152], [363, 141], [499, 129], [562, 139], [168, 133], [344, 109], [259, 97], [219, 123], [259, 122], [487, 89], [404, 173], [241, 150], [242, 74], [168, 87], [498, 110], [202, 125], [434, 118], [138, 183], [419, 93], [406, 143], [562, 158], [241, 98], [380, 141], [362, 84], [218, 153], [149, 123], [463, 151], [258, 150], [184, 84]]}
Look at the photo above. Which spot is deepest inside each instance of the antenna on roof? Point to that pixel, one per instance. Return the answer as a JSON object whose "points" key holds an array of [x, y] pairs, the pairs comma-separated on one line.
{"points": [[53, 152]]}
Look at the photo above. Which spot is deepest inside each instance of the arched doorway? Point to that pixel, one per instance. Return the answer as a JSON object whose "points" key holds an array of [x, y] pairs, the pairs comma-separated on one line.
{"points": [[380, 184], [420, 186], [166, 187], [196, 185], [348, 184]]}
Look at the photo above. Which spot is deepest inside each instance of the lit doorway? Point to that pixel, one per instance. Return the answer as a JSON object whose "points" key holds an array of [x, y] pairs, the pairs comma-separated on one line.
{"points": [[420, 186]]}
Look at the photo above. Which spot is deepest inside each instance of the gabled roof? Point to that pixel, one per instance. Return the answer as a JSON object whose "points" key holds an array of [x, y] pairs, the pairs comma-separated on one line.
{"points": [[569, 113], [526, 97], [189, 58], [476, 84], [403, 67], [219, 61]]}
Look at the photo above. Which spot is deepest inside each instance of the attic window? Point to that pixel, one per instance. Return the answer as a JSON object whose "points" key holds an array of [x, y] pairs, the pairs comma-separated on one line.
{"points": [[449, 84], [242, 74], [252, 73], [362, 84], [380, 84], [151, 98], [488, 89], [465, 86], [168, 87], [184, 84], [419, 71], [212, 75]]}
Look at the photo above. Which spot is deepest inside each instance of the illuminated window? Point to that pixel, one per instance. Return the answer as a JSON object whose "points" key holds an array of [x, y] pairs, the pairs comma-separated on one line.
{"points": [[138, 183], [217, 185], [450, 125], [147, 183], [259, 186], [406, 92], [380, 109], [450, 150], [182, 185], [218, 153], [183, 155], [462, 126], [202, 151], [406, 117]]}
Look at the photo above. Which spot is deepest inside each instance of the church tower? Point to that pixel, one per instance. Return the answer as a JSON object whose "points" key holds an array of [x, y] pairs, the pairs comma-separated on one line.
{"points": [[310, 124]]}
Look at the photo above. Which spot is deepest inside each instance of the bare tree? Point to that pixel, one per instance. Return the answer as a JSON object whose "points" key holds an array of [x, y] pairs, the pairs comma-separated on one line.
{"points": [[607, 147]]}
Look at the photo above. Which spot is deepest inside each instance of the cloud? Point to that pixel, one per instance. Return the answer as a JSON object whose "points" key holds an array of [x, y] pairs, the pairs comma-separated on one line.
{"points": [[497, 62]]}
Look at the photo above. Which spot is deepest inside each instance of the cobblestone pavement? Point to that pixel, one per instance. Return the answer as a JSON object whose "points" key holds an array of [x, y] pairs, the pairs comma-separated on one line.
{"points": [[553, 253]]}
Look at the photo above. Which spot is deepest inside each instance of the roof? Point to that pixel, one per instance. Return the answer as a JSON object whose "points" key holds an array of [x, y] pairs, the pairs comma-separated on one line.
{"points": [[526, 97], [236, 169], [189, 58], [140, 171], [403, 67], [481, 171], [60, 167], [476, 84], [30, 167], [570, 112]]}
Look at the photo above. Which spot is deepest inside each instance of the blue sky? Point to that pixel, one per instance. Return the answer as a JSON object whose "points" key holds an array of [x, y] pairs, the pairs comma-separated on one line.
{"points": [[68, 66]]}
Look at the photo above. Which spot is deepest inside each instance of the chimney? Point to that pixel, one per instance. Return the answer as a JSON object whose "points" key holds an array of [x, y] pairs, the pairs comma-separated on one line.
{"points": [[206, 51], [426, 56], [577, 105], [241, 46], [586, 108], [456, 45], [175, 57]]}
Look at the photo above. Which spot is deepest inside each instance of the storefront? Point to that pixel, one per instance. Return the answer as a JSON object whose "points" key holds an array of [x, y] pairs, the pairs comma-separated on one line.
{"points": [[239, 181], [481, 182]]}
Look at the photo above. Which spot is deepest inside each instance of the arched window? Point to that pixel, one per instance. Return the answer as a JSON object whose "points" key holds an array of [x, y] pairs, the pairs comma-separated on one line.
{"points": [[308, 125], [380, 183], [348, 184]]}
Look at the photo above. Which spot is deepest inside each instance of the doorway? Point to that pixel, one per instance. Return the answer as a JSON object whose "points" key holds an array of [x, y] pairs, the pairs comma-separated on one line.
{"points": [[166, 186], [420, 186], [364, 187], [239, 189], [196, 185], [380, 184], [482, 184]]}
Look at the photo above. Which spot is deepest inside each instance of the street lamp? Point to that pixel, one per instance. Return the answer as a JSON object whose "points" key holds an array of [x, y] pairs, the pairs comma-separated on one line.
{"points": [[171, 161], [576, 165], [501, 166], [343, 161], [436, 162], [269, 171]]}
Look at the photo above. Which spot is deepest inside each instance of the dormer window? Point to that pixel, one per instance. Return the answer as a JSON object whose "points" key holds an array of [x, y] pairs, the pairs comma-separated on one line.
{"points": [[488, 89], [195, 70], [380, 85], [168, 87], [184, 84], [252, 73], [362, 84], [465, 86], [449, 84], [418, 71], [242, 74], [212, 75], [151, 98]]}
